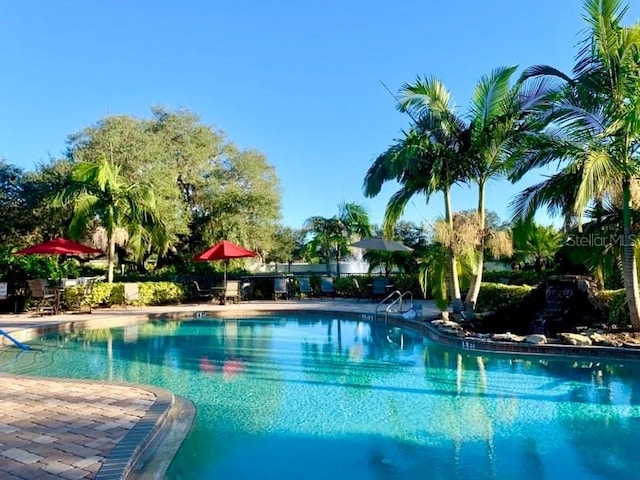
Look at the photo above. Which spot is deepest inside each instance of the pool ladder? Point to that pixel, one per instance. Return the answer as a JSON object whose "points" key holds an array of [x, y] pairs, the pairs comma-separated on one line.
{"points": [[396, 305]]}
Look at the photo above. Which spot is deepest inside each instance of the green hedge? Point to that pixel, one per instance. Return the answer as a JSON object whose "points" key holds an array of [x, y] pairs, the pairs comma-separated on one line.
{"points": [[496, 296], [151, 293]]}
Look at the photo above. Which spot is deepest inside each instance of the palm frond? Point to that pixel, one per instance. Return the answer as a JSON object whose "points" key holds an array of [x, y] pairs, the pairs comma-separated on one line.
{"points": [[488, 98]]}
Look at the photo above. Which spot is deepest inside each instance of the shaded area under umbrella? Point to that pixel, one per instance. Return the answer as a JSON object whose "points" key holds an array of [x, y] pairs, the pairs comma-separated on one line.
{"points": [[224, 250]]}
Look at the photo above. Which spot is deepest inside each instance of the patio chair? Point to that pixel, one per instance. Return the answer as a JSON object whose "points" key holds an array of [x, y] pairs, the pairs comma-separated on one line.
{"points": [[200, 294], [280, 288], [326, 287], [379, 288], [231, 291], [44, 300], [83, 297], [304, 287]]}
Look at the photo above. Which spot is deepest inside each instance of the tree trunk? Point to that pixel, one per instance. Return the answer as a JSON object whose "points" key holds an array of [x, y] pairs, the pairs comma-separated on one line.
{"points": [[474, 288], [111, 257], [454, 283], [628, 258]]}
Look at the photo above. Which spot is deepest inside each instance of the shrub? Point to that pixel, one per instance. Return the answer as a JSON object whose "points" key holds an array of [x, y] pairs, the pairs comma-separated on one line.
{"points": [[161, 293], [497, 296], [614, 307], [151, 293]]}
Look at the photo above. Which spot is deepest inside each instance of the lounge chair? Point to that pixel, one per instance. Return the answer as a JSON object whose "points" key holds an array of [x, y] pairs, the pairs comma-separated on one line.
{"points": [[304, 287], [326, 287], [280, 288]]}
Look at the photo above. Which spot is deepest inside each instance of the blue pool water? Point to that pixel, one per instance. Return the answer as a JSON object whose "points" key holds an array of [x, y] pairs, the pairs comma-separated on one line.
{"points": [[317, 397]]}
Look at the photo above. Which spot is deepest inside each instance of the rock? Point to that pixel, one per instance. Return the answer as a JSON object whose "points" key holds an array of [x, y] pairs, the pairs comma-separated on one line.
{"points": [[450, 331], [610, 342], [449, 324], [535, 339], [506, 337], [596, 338], [445, 315], [574, 339]]}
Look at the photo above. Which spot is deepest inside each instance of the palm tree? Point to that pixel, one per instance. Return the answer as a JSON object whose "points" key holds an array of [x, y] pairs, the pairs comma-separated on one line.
{"points": [[425, 161], [98, 193], [331, 236], [596, 116], [533, 241], [492, 138]]}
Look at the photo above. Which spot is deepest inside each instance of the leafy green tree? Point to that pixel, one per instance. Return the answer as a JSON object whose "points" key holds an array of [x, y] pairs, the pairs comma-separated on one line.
{"points": [[26, 216], [412, 235], [98, 193], [206, 188], [330, 237], [286, 246], [594, 122], [12, 203], [239, 200]]}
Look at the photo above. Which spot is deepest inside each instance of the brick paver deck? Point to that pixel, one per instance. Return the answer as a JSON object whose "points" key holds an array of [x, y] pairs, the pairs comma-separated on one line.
{"points": [[60, 429]]}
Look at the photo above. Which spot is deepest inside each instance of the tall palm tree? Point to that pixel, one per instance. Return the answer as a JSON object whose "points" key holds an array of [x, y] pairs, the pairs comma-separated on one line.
{"points": [[493, 135], [98, 194], [596, 113], [424, 162], [331, 236], [483, 145]]}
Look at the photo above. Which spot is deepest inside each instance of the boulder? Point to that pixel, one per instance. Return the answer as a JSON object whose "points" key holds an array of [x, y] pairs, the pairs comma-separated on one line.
{"points": [[536, 338], [574, 339], [506, 337], [449, 324], [450, 331]]}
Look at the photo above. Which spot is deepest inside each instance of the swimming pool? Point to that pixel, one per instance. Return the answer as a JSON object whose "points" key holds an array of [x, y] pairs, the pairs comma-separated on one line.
{"points": [[316, 396]]}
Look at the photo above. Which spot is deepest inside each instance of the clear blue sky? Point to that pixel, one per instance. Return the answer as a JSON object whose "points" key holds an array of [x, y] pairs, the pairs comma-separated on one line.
{"points": [[299, 81]]}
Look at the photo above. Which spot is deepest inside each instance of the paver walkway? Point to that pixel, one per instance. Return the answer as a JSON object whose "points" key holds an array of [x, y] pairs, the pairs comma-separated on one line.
{"points": [[58, 429]]}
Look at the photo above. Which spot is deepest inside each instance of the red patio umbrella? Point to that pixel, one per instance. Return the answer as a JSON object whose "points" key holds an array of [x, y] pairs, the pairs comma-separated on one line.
{"points": [[224, 250], [59, 246]]}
